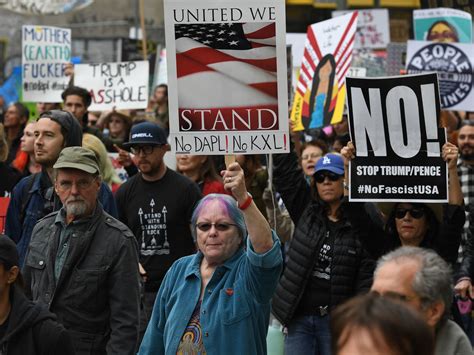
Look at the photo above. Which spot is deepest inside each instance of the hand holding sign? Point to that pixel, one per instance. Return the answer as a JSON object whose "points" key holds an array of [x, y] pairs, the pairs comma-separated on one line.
{"points": [[450, 156]]}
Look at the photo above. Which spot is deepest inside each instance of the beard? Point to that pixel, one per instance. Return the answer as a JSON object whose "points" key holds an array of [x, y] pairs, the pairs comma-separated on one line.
{"points": [[468, 155], [76, 207]]}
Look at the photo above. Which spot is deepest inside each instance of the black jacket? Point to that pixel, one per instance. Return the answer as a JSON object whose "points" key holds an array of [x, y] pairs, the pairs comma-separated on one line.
{"points": [[445, 241], [97, 294], [351, 269], [466, 269], [33, 330]]}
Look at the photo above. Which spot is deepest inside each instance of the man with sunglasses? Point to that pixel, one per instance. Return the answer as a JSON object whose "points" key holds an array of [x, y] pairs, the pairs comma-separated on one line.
{"points": [[83, 264], [156, 204], [422, 279]]}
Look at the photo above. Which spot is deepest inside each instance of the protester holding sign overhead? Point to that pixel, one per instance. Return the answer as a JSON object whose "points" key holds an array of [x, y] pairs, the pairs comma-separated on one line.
{"points": [[326, 263], [400, 155], [217, 301], [429, 225]]}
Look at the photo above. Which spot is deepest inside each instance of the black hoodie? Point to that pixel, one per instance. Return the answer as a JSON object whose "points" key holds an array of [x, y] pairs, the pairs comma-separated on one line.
{"points": [[32, 329]]}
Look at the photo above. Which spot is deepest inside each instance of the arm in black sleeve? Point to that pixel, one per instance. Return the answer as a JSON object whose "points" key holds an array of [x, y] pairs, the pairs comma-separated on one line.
{"points": [[448, 238], [290, 182]]}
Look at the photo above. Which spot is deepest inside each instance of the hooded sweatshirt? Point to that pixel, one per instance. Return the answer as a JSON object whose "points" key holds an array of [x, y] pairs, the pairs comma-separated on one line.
{"points": [[32, 329]]}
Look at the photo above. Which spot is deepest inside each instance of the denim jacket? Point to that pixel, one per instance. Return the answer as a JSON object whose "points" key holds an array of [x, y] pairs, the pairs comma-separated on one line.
{"points": [[235, 307]]}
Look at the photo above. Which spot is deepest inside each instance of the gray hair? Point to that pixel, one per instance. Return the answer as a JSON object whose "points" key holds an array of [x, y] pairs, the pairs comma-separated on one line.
{"points": [[433, 280]]}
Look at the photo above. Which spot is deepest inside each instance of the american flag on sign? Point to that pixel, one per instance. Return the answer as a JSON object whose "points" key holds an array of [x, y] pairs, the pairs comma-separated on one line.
{"points": [[227, 76]]}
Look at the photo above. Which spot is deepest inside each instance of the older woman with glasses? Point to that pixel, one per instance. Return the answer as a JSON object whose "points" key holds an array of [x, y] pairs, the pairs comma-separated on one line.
{"points": [[218, 300]]}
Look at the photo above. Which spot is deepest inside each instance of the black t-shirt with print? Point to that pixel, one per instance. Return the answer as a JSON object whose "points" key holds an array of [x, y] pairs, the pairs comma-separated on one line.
{"points": [[317, 292], [159, 215]]}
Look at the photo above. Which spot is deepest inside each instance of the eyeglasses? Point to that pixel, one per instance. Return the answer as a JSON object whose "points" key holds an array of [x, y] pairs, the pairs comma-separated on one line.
{"points": [[146, 149], [322, 175], [396, 296], [220, 226], [310, 156], [415, 212], [64, 186]]}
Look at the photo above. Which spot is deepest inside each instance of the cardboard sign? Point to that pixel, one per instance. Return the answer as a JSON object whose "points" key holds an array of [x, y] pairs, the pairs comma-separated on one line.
{"points": [[46, 50], [320, 93], [227, 76], [114, 85], [454, 64], [373, 28], [442, 25], [394, 125]]}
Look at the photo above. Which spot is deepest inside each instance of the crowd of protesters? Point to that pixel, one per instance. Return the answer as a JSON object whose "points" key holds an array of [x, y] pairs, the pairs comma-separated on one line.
{"points": [[185, 255]]}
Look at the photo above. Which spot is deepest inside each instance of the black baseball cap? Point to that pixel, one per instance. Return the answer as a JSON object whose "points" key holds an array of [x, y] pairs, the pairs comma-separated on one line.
{"points": [[8, 252], [146, 133]]}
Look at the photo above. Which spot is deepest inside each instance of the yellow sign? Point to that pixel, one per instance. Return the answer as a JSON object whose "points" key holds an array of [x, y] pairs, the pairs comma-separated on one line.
{"points": [[360, 3], [400, 3]]}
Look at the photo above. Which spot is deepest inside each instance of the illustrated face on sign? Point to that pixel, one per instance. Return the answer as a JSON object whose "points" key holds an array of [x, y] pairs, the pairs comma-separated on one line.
{"points": [[442, 31]]}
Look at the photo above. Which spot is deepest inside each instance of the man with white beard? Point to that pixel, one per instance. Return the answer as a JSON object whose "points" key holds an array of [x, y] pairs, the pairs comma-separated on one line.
{"points": [[83, 264]]}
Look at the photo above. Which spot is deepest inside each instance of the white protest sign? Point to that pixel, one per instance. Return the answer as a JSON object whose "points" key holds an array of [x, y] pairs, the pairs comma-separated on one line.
{"points": [[122, 85], [394, 125], [45, 52], [227, 76], [373, 28], [454, 63]]}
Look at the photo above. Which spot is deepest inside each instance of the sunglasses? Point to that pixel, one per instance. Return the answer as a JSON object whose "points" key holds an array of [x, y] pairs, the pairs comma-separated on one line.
{"points": [[220, 226], [146, 149], [415, 212], [321, 176]]}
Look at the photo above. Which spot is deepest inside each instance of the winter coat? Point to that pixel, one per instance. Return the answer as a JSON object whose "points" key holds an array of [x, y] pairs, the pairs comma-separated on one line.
{"points": [[33, 330], [351, 269]]}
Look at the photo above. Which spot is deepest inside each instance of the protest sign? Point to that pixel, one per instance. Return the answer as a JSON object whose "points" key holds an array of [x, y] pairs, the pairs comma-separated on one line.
{"points": [[121, 85], [46, 50], [373, 28], [464, 5], [396, 57], [394, 125], [454, 64], [442, 25], [119, 169], [320, 93], [227, 76]]}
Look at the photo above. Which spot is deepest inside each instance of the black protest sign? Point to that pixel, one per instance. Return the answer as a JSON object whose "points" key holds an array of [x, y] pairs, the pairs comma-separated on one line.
{"points": [[394, 125]]}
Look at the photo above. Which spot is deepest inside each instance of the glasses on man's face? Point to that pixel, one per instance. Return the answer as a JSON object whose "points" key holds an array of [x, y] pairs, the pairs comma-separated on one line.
{"points": [[83, 184], [415, 212], [322, 175], [396, 296], [146, 149], [220, 226]]}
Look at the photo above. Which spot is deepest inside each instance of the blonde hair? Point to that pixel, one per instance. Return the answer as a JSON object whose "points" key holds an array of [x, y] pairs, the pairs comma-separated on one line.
{"points": [[109, 175], [3, 144]]}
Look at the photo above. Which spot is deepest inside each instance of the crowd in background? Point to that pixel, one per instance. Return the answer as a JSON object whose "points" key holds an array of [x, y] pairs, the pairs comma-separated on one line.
{"points": [[329, 245]]}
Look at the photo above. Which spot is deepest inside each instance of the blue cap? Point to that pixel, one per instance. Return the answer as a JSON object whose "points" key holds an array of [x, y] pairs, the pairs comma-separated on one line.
{"points": [[330, 162], [146, 133]]}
